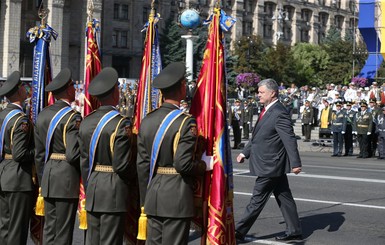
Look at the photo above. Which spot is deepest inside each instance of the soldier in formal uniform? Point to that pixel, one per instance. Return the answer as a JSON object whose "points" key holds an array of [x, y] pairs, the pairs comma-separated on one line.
{"points": [[247, 119], [166, 170], [104, 139], [307, 118], [338, 129], [364, 129], [350, 128], [380, 130], [375, 110], [57, 160], [16, 163], [236, 123]]}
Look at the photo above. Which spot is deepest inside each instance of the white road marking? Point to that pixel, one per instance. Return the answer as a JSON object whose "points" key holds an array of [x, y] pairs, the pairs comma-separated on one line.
{"points": [[322, 201]]}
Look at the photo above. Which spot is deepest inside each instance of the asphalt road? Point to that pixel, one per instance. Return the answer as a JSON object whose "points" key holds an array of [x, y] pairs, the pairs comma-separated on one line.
{"points": [[341, 200]]}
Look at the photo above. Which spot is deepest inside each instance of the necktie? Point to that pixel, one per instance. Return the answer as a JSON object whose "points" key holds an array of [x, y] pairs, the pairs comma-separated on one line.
{"points": [[262, 113]]}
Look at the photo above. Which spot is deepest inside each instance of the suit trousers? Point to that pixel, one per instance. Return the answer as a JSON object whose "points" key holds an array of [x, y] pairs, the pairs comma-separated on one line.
{"points": [[363, 142], [15, 214], [105, 228], [263, 188], [338, 143], [348, 139], [59, 220], [164, 231]]}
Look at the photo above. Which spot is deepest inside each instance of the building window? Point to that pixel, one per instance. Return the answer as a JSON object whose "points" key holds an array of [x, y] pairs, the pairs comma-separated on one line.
{"points": [[306, 15], [305, 36], [323, 19], [286, 33], [115, 39], [228, 4], [123, 39], [247, 28], [353, 23], [248, 5], [339, 21], [268, 8], [352, 5], [120, 11], [267, 30], [322, 2]]}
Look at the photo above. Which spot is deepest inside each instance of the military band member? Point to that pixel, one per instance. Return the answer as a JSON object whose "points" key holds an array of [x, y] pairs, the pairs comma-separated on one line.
{"points": [[350, 128], [16, 162], [57, 160], [375, 110], [380, 130], [364, 129], [338, 129], [166, 178], [247, 119], [104, 161], [307, 118]]}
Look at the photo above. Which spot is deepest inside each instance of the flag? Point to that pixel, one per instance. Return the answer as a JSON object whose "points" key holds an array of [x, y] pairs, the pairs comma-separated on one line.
{"points": [[41, 75], [93, 66], [148, 99], [209, 108]]}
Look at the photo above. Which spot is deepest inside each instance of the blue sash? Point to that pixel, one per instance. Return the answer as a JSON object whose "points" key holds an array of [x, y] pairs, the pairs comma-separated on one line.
{"points": [[159, 136], [52, 126], [9, 116], [96, 135]]}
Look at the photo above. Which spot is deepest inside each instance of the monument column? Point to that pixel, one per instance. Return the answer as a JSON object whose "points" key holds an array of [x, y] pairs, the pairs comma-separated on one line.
{"points": [[10, 40], [190, 55]]}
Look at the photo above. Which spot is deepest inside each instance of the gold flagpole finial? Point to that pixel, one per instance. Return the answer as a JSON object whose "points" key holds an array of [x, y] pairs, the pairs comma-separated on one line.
{"points": [[43, 14], [90, 10]]}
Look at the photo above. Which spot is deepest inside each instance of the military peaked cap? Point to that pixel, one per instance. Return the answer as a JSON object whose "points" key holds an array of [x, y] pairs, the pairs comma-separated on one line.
{"points": [[171, 75], [10, 84], [363, 103], [60, 81], [103, 82]]}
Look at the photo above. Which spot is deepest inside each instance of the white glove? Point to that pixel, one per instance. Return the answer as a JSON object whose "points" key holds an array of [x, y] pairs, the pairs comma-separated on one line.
{"points": [[368, 133], [208, 160], [248, 122], [229, 127], [302, 124], [331, 132], [354, 132], [309, 123], [240, 127], [342, 132]]}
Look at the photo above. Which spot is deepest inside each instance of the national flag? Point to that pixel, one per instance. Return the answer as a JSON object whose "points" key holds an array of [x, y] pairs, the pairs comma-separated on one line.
{"points": [[93, 66], [41, 75], [209, 108]]}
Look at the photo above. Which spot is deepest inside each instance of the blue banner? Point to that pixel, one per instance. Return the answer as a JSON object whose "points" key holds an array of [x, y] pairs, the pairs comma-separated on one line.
{"points": [[41, 36]]}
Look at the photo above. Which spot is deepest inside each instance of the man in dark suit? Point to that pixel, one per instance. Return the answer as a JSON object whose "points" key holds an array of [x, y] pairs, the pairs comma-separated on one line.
{"points": [[16, 161], [104, 140], [57, 160], [273, 152], [166, 181]]}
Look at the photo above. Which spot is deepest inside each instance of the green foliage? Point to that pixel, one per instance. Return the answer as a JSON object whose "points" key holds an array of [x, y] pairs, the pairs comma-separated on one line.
{"points": [[251, 53], [173, 48], [333, 35]]}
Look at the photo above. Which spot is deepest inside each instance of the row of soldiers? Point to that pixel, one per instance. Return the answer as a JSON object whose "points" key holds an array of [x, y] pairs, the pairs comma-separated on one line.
{"points": [[62, 147], [240, 118], [367, 124]]}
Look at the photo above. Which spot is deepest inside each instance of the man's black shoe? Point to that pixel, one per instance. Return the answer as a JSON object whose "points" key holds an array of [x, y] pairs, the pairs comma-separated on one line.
{"points": [[346, 154], [334, 155], [359, 157], [239, 237], [287, 237]]}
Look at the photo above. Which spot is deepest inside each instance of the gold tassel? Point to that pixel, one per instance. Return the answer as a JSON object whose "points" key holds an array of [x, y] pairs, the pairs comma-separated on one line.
{"points": [[83, 215], [142, 229], [39, 211]]}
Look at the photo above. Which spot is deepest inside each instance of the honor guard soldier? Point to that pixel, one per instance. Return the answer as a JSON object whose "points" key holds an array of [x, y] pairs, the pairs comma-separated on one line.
{"points": [[350, 128], [104, 139], [16, 163], [307, 118], [236, 123], [57, 160], [364, 129], [247, 119], [166, 165], [338, 129], [380, 130], [375, 110]]}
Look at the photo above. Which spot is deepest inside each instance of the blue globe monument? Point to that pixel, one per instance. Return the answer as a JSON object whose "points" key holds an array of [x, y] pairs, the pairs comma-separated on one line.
{"points": [[190, 18]]}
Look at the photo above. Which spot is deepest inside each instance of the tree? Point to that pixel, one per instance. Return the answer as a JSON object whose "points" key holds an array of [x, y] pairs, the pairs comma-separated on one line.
{"points": [[309, 61], [251, 53], [173, 48]]}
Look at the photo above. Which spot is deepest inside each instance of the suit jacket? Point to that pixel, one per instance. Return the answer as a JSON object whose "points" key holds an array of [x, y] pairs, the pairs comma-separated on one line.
{"points": [[58, 178], [16, 173], [272, 150], [106, 192], [168, 195]]}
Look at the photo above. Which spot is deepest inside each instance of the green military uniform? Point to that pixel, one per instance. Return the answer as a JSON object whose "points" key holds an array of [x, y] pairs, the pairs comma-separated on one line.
{"points": [[374, 136], [16, 164], [106, 183], [364, 124], [59, 176], [350, 128], [338, 128], [307, 119], [247, 119], [168, 199]]}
